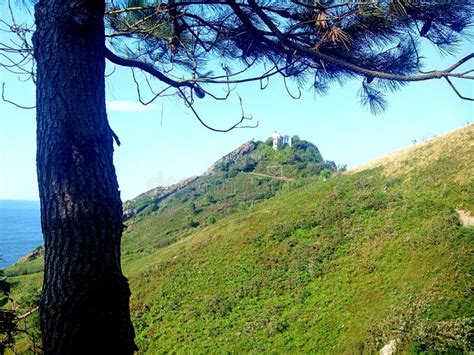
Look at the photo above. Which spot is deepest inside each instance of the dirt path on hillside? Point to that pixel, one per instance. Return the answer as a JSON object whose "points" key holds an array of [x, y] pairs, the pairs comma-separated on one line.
{"points": [[282, 178]]}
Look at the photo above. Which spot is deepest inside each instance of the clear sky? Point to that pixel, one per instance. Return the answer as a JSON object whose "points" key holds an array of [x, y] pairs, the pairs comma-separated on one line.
{"points": [[164, 143]]}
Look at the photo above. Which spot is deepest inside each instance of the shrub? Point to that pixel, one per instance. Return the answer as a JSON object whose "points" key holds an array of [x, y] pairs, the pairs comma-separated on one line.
{"points": [[8, 326], [193, 223]]}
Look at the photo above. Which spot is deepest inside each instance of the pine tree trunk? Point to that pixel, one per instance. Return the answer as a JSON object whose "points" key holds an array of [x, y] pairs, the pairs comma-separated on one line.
{"points": [[85, 303]]}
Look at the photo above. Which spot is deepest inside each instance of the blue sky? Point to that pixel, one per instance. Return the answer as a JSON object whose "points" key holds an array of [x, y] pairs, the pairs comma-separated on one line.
{"points": [[164, 143]]}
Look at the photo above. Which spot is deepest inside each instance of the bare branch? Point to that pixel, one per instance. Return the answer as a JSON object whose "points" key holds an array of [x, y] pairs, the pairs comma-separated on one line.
{"points": [[457, 91], [27, 314], [155, 95], [234, 126], [14, 103], [145, 67], [295, 97]]}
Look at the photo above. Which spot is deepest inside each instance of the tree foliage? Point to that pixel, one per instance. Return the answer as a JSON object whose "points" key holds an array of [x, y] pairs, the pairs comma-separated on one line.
{"points": [[314, 43], [196, 48]]}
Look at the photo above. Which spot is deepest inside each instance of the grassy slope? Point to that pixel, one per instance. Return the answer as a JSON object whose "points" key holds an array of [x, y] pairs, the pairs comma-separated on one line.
{"points": [[335, 266], [210, 198]]}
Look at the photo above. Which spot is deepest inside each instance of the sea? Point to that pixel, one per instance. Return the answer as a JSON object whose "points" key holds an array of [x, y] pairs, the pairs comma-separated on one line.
{"points": [[20, 229]]}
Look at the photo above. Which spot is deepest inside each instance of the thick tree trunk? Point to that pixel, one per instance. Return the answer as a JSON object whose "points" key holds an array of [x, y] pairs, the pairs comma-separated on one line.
{"points": [[85, 303]]}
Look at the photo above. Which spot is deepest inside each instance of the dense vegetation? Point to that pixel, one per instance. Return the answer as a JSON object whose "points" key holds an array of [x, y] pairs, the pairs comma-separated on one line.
{"points": [[7, 316], [344, 264]]}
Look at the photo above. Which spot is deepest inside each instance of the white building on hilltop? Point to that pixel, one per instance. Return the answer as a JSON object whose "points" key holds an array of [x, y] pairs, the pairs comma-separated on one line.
{"points": [[279, 141]]}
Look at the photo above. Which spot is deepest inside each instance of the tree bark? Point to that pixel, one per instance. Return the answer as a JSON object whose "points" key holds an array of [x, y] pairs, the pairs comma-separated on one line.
{"points": [[85, 302]]}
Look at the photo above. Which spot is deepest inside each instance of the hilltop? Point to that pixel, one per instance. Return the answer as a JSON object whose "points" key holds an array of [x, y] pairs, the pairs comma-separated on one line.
{"points": [[329, 263], [287, 163], [252, 173]]}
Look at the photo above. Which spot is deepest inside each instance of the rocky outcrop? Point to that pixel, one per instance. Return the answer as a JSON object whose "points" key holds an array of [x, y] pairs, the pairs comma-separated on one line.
{"points": [[157, 194], [35, 254], [244, 149], [465, 217], [162, 192]]}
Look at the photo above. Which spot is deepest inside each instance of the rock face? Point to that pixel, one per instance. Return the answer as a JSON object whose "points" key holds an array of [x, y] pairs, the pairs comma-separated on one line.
{"points": [[164, 191], [35, 254], [390, 348], [159, 193], [465, 217], [244, 149]]}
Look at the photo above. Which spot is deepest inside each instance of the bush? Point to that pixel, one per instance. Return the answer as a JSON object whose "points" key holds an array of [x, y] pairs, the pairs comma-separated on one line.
{"points": [[231, 173], [211, 199], [325, 173], [193, 223], [249, 165]]}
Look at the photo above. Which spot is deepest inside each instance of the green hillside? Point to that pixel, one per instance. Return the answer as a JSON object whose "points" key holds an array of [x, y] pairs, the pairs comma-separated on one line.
{"points": [[345, 264], [252, 173]]}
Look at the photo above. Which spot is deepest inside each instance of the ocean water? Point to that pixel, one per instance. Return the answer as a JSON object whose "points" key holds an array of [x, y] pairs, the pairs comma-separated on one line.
{"points": [[20, 229]]}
